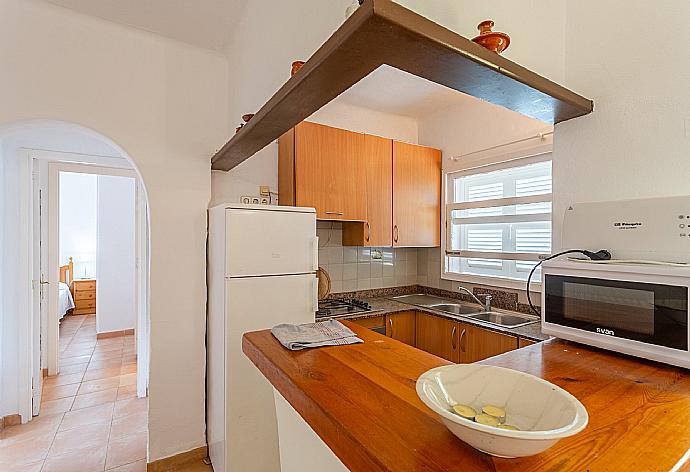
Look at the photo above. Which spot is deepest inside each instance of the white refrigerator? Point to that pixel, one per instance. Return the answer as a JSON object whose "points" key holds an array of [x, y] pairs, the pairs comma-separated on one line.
{"points": [[262, 263]]}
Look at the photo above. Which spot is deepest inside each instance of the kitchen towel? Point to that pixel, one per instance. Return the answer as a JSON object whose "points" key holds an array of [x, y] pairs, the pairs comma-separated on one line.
{"points": [[323, 333]]}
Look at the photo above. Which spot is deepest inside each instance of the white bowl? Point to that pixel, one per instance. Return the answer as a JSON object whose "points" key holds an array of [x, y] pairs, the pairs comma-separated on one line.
{"points": [[542, 411]]}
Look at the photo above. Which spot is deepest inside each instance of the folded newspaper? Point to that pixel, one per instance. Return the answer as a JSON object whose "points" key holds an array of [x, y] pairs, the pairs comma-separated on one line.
{"points": [[323, 333]]}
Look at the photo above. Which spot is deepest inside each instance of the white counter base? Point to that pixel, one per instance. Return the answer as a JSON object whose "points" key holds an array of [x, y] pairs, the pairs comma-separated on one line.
{"points": [[301, 449]]}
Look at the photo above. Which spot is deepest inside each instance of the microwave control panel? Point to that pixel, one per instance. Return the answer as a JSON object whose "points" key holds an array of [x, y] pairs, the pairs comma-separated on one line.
{"points": [[655, 229]]}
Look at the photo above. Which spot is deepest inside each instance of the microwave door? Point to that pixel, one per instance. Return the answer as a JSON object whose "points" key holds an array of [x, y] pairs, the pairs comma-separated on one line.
{"points": [[651, 313]]}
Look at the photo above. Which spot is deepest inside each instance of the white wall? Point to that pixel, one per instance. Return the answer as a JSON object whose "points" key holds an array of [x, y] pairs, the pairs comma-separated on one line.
{"points": [[78, 223], [115, 287], [535, 27], [165, 104], [637, 141], [270, 36]]}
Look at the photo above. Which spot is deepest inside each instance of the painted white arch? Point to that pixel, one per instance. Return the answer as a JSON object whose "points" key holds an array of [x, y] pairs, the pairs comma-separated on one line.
{"points": [[61, 142]]}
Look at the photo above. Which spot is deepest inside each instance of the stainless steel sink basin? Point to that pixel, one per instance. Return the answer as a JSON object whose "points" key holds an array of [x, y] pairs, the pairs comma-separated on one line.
{"points": [[502, 319], [456, 309]]}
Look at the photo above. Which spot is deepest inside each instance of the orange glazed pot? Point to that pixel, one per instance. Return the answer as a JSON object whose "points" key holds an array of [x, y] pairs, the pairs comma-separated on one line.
{"points": [[492, 40]]}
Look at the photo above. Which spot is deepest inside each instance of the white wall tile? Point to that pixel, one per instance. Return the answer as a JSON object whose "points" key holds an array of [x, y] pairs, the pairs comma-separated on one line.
{"points": [[349, 254], [364, 254], [349, 271], [363, 284], [363, 270], [335, 271], [349, 285], [376, 270]]}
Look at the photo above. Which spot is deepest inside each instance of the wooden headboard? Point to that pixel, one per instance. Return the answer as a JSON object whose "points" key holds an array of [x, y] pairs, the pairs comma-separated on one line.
{"points": [[67, 272]]}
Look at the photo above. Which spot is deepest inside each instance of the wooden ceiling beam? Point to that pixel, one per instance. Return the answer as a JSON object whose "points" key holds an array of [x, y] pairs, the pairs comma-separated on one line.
{"points": [[384, 32]]}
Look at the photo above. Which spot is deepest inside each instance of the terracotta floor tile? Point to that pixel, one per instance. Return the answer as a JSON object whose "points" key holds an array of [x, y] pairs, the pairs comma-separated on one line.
{"points": [[99, 414], [104, 364], [63, 379], [39, 426], [25, 452], [128, 426], [104, 355], [131, 406], [126, 450], [35, 467], [77, 351], [128, 379], [74, 360], [83, 437], [84, 460], [92, 386], [128, 391], [108, 372], [74, 368], [138, 466], [128, 369], [53, 392], [52, 407], [93, 399]]}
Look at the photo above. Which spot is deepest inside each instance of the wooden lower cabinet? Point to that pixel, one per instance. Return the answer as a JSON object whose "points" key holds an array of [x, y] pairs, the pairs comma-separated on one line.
{"points": [[438, 336], [476, 344], [523, 342], [402, 326]]}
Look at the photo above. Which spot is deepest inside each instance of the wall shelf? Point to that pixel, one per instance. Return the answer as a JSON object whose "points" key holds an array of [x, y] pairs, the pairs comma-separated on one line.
{"points": [[384, 32]]}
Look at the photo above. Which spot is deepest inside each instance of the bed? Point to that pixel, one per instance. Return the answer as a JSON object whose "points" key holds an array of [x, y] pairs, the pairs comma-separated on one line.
{"points": [[65, 299]]}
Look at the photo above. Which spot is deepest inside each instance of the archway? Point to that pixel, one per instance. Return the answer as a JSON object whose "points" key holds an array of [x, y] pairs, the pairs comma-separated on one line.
{"points": [[22, 144]]}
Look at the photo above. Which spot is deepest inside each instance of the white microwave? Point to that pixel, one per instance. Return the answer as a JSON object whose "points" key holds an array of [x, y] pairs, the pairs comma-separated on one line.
{"points": [[640, 310]]}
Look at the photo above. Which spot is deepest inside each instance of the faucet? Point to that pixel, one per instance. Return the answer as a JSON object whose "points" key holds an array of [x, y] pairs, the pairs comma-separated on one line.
{"points": [[487, 302]]}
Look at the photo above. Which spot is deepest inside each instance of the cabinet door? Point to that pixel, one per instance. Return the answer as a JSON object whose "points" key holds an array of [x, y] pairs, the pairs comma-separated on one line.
{"points": [[438, 336], [524, 342], [377, 231], [416, 195], [477, 343], [402, 326], [379, 179], [329, 172]]}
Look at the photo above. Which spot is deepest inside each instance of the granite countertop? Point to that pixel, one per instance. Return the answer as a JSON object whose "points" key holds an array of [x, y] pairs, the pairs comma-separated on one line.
{"points": [[386, 306]]}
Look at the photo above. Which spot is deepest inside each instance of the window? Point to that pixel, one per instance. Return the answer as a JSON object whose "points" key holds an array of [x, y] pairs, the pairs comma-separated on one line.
{"points": [[498, 219]]}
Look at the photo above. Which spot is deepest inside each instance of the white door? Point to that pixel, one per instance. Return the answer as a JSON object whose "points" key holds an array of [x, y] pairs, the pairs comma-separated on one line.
{"points": [[270, 242], [252, 304], [39, 290]]}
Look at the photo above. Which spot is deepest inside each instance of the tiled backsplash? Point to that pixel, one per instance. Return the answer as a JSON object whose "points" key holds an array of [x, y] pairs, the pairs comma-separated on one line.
{"points": [[358, 268]]}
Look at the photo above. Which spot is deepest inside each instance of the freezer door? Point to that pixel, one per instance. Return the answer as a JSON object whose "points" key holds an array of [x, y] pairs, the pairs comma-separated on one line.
{"points": [[269, 242], [252, 304]]}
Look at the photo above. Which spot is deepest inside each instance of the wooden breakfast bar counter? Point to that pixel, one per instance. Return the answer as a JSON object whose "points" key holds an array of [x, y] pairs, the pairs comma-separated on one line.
{"points": [[361, 401]]}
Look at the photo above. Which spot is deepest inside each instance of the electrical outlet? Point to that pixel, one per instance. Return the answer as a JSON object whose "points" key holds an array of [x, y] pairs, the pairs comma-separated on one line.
{"points": [[246, 200], [265, 191], [256, 200], [265, 200]]}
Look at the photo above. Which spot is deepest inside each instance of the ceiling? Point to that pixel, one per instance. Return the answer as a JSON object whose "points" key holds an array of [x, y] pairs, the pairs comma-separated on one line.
{"points": [[393, 91], [204, 23]]}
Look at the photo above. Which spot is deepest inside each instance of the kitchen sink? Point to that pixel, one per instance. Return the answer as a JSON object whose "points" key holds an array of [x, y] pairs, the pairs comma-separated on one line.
{"points": [[456, 309], [502, 319], [419, 299]]}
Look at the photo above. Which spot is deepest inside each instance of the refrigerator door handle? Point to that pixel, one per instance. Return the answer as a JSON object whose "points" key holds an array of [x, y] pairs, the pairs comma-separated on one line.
{"points": [[315, 253], [315, 292]]}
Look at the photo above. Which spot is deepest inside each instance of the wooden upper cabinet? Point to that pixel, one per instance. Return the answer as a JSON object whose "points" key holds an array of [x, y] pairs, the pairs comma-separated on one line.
{"points": [[477, 343], [402, 326], [438, 336], [416, 195], [324, 168], [377, 231]]}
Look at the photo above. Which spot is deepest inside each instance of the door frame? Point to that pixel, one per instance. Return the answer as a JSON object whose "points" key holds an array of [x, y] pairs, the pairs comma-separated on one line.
{"points": [[54, 169]]}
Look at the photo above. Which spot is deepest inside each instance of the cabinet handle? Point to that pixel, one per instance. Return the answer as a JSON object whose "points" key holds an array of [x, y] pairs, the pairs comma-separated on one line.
{"points": [[395, 233], [339, 213], [390, 323], [452, 337], [462, 336], [368, 231]]}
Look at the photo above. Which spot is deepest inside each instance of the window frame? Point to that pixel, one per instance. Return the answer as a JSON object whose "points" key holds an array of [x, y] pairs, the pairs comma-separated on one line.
{"points": [[521, 153]]}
